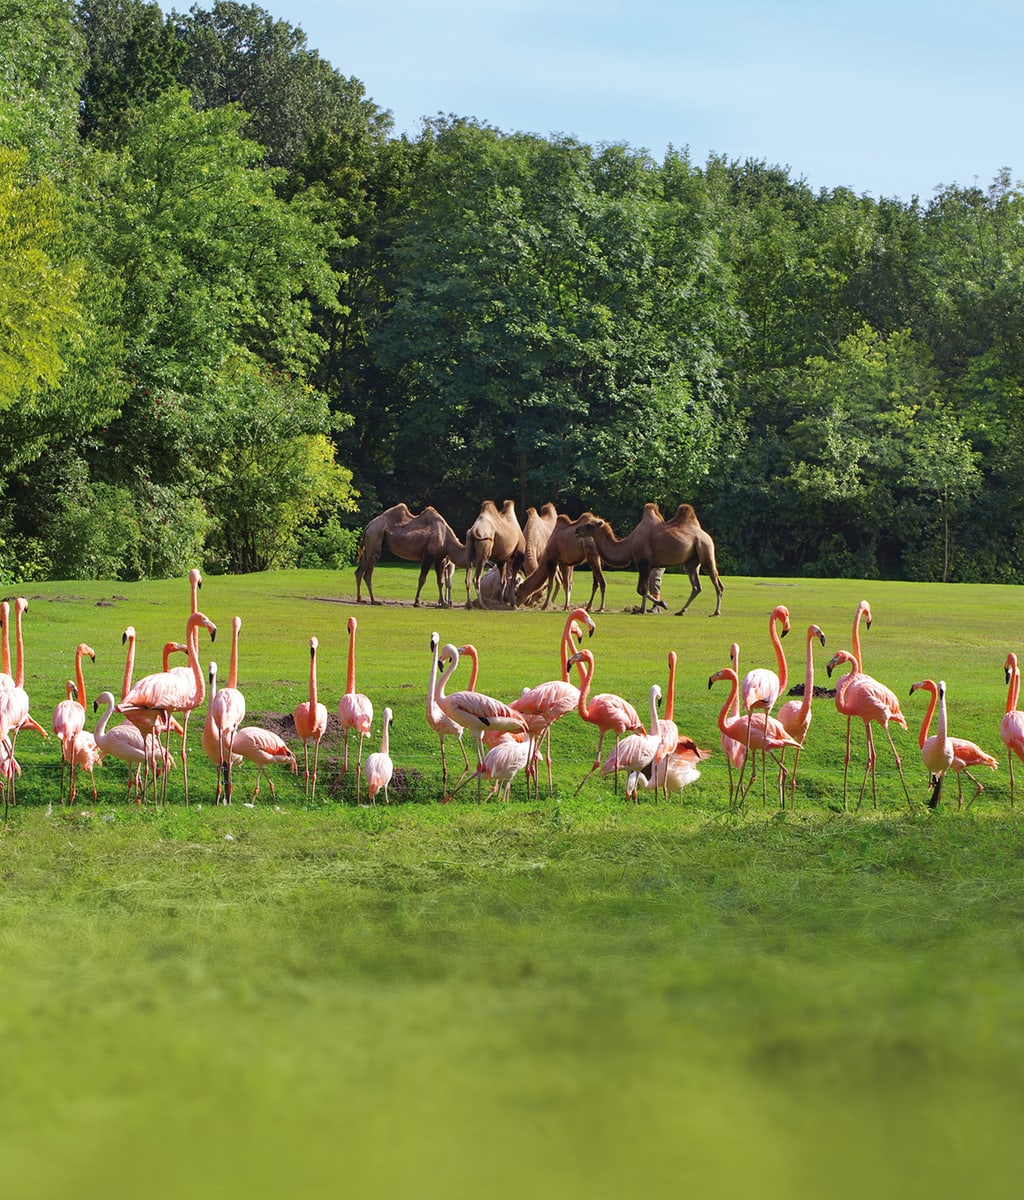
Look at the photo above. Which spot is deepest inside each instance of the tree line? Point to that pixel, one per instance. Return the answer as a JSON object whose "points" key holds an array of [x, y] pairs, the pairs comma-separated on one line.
{"points": [[240, 317]]}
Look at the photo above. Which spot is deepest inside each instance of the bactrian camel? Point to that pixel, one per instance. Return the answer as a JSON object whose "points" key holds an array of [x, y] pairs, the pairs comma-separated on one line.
{"points": [[425, 537], [655, 542], [494, 536], [564, 550]]}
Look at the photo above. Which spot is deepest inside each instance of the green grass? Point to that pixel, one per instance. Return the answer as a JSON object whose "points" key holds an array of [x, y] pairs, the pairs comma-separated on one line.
{"points": [[574, 997]]}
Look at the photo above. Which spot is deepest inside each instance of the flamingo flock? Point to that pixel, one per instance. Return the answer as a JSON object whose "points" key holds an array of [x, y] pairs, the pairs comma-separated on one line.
{"points": [[512, 736]]}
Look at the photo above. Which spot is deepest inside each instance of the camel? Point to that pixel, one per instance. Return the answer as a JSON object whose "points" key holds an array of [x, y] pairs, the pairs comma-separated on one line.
{"points": [[494, 536], [537, 530], [424, 537], [655, 542], [564, 550]]}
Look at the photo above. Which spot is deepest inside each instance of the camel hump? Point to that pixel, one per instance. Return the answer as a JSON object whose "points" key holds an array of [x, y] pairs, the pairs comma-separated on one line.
{"points": [[651, 512], [685, 515]]}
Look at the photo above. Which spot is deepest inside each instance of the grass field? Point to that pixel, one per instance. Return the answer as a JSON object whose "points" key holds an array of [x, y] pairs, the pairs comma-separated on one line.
{"points": [[569, 997]]}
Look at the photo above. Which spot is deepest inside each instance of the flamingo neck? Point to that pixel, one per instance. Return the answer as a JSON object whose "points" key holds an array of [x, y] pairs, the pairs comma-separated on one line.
{"points": [[470, 653], [385, 746], [350, 681], [19, 669], [129, 667], [734, 654], [856, 634], [733, 698], [941, 727], [780, 654], [654, 708], [79, 677], [5, 661], [446, 674], [805, 704], [1014, 691], [236, 625], [192, 647], [101, 724], [670, 702], [586, 666], [312, 680], [926, 723]]}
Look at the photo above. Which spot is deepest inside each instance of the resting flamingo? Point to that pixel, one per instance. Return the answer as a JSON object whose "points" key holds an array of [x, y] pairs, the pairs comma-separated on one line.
{"points": [[227, 708], [795, 715], [441, 723], [263, 748], [965, 754], [859, 695], [1011, 728], [355, 711], [762, 687], [756, 731], [475, 711], [379, 767], [181, 689], [609, 712], [311, 722]]}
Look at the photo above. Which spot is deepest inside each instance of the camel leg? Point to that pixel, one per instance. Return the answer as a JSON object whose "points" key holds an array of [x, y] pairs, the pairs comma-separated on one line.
{"points": [[425, 566], [694, 593]]}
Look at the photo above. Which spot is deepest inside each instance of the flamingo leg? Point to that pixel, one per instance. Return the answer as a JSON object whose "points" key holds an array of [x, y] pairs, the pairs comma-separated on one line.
{"points": [[846, 763], [899, 767]]}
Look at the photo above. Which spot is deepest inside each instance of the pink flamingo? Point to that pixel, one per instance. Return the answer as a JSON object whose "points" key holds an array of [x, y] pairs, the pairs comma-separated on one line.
{"points": [[669, 774], [859, 695], [795, 715], [69, 717], [311, 722], [263, 748], [379, 767], [441, 723], [14, 704], [546, 703], [757, 731], [227, 709], [181, 689], [937, 750], [761, 687], [475, 711], [355, 711], [1011, 728], [126, 743], [965, 754], [735, 752], [609, 712], [505, 760], [85, 754], [211, 739], [638, 750]]}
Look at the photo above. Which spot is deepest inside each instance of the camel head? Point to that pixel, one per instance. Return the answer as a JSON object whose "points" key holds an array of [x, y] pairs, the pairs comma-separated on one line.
{"points": [[589, 524]]}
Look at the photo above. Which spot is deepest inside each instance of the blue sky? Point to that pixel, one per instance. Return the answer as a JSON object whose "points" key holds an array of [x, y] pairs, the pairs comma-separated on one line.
{"points": [[888, 97]]}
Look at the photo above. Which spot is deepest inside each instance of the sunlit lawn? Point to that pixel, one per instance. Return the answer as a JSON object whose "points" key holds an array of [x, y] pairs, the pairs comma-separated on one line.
{"points": [[568, 996]]}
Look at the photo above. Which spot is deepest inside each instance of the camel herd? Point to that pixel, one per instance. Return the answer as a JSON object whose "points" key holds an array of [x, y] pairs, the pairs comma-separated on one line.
{"points": [[538, 558]]}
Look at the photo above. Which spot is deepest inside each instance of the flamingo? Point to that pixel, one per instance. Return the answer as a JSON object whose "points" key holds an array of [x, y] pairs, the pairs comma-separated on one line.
{"points": [[965, 754], [609, 712], [669, 774], [263, 748], [69, 716], [1011, 728], [546, 703], [937, 751], [311, 722], [84, 753], [355, 711], [475, 711], [14, 705], [505, 760], [441, 723], [758, 731], [795, 715], [227, 710], [127, 743], [638, 750], [859, 695], [379, 767], [735, 752], [211, 739], [181, 689], [761, 687]]}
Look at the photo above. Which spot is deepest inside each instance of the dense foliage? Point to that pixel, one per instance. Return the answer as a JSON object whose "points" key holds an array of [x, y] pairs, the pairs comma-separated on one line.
{"points": [[240, 316]]}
